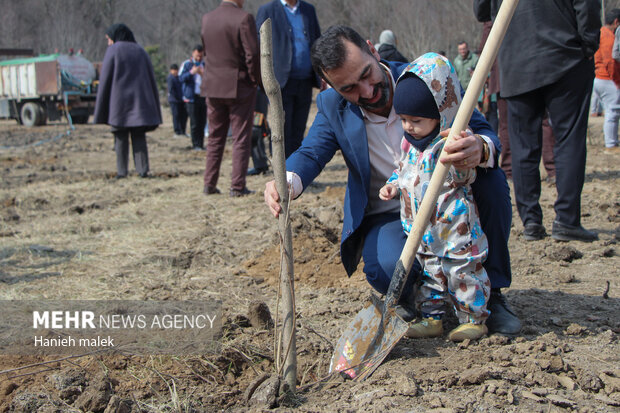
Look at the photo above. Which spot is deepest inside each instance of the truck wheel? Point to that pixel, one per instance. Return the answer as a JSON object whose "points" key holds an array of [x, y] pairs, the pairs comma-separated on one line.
{"points": [[42, 116], [30, 114]]}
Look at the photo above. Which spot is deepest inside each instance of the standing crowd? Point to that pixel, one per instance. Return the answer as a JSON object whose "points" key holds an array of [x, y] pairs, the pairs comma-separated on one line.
{"points": [[388, 116]]}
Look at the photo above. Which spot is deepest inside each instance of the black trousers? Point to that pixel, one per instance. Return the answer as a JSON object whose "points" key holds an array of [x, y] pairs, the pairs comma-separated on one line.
{"points": [[296, 101], [138, 146], [197, 111], [179, 117], [258, 154], [492, 117], [567, 101]]}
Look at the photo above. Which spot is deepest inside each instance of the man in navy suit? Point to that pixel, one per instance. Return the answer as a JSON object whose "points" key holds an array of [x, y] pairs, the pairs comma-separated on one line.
{"points": [[295, 27], [356, 117]]}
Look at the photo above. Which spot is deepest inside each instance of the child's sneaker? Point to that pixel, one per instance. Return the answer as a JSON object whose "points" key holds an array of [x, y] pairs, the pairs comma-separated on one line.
{"points": [[469, 331], [427, 327]]}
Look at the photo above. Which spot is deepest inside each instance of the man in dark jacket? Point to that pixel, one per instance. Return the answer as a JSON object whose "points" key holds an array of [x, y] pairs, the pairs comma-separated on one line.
{"points": [[191, 77], [229, 82], [546, 61], [175, 100], [387, 48], [295, 27]]}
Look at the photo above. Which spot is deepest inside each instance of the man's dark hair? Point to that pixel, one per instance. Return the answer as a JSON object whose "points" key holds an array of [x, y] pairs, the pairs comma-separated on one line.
{"points": [[198, 48], [462, 42], [612, 15], [329, 52], [174, 66]]}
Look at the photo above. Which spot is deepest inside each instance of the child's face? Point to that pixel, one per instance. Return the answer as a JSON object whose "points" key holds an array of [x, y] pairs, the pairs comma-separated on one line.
{"points": [[174, 72], [418, 127]]}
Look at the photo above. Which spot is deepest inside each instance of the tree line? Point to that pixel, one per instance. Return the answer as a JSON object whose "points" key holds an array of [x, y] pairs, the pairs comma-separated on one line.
{"points": [[170, 28]]}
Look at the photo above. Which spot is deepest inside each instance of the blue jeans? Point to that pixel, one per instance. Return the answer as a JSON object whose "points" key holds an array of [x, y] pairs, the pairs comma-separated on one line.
{"points": [[610, 96], [383, 244]]}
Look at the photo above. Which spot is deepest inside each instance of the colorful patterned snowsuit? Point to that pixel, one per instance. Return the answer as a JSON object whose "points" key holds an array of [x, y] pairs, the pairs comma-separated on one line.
{"points": [[454, 246]]}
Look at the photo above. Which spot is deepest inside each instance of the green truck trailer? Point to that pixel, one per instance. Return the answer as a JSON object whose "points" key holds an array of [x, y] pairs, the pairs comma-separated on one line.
{"points": [[36, 89]]}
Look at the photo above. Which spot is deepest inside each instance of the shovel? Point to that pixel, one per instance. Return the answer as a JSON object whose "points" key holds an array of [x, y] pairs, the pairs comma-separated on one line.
{"points": [[377, 328]]}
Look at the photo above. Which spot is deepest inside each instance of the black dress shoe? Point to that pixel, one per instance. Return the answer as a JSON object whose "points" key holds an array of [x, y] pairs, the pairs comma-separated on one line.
{"points": [[235, 193], [561, 232], [257, 171], [120, 177], [534, 232], [210, 190], [502, 320]]}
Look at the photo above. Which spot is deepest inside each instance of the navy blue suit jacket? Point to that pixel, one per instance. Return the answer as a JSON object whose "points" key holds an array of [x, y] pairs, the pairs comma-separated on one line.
{"points": [[187, 79], [339, 125], [282, 35]]}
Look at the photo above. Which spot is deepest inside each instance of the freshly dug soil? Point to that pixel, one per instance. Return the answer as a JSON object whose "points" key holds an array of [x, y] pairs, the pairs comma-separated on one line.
{"points": [[68, 230]]}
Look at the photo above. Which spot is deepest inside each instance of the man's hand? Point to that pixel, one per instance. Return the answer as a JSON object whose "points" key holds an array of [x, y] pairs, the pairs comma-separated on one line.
{"points": [[272, 198], [464, 152]]}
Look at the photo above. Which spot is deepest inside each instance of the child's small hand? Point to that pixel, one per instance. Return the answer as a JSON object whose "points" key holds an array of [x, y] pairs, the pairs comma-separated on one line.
{"points": [[387, 192]]}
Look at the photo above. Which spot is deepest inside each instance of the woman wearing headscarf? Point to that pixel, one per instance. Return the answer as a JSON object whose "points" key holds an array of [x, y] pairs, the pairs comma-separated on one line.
{"points": [[127, 98]]}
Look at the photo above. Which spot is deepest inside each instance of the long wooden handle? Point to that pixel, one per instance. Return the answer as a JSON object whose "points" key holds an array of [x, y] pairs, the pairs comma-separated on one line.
{"points": [[487, 57]]}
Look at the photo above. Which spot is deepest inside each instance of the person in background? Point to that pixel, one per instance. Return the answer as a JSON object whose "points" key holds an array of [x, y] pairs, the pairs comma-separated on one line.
{"points": [[566, 36], [607, 80], [175, 100], [465, 63], [387, 48], [295, 27], [497, 116], [260, 131], [596, 106], [488, 100], [191, 77], [229, 82], [127, 98], [487, 105]]}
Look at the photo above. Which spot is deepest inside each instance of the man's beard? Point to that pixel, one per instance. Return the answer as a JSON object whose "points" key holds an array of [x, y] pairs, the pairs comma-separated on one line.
{"points": [[382, 87]]}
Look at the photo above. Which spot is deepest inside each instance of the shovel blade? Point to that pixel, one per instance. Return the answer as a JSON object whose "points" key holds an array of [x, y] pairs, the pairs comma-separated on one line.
{"points": [[367, 340]]}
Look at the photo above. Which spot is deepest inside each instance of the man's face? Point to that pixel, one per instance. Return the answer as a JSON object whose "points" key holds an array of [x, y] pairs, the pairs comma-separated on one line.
{"points": [[174, 72], [361, 80], [463, 50], [196, 55]]}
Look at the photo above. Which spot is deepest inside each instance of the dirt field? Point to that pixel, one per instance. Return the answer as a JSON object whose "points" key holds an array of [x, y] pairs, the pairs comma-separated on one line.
{"points": [[69, 230]]}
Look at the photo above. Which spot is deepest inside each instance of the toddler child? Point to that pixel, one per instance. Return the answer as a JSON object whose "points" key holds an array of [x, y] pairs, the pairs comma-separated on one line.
{"points": [[453, 247]]}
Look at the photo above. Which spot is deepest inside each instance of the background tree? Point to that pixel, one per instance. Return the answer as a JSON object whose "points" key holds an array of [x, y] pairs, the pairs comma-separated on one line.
{"points": [[174, 25]]}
